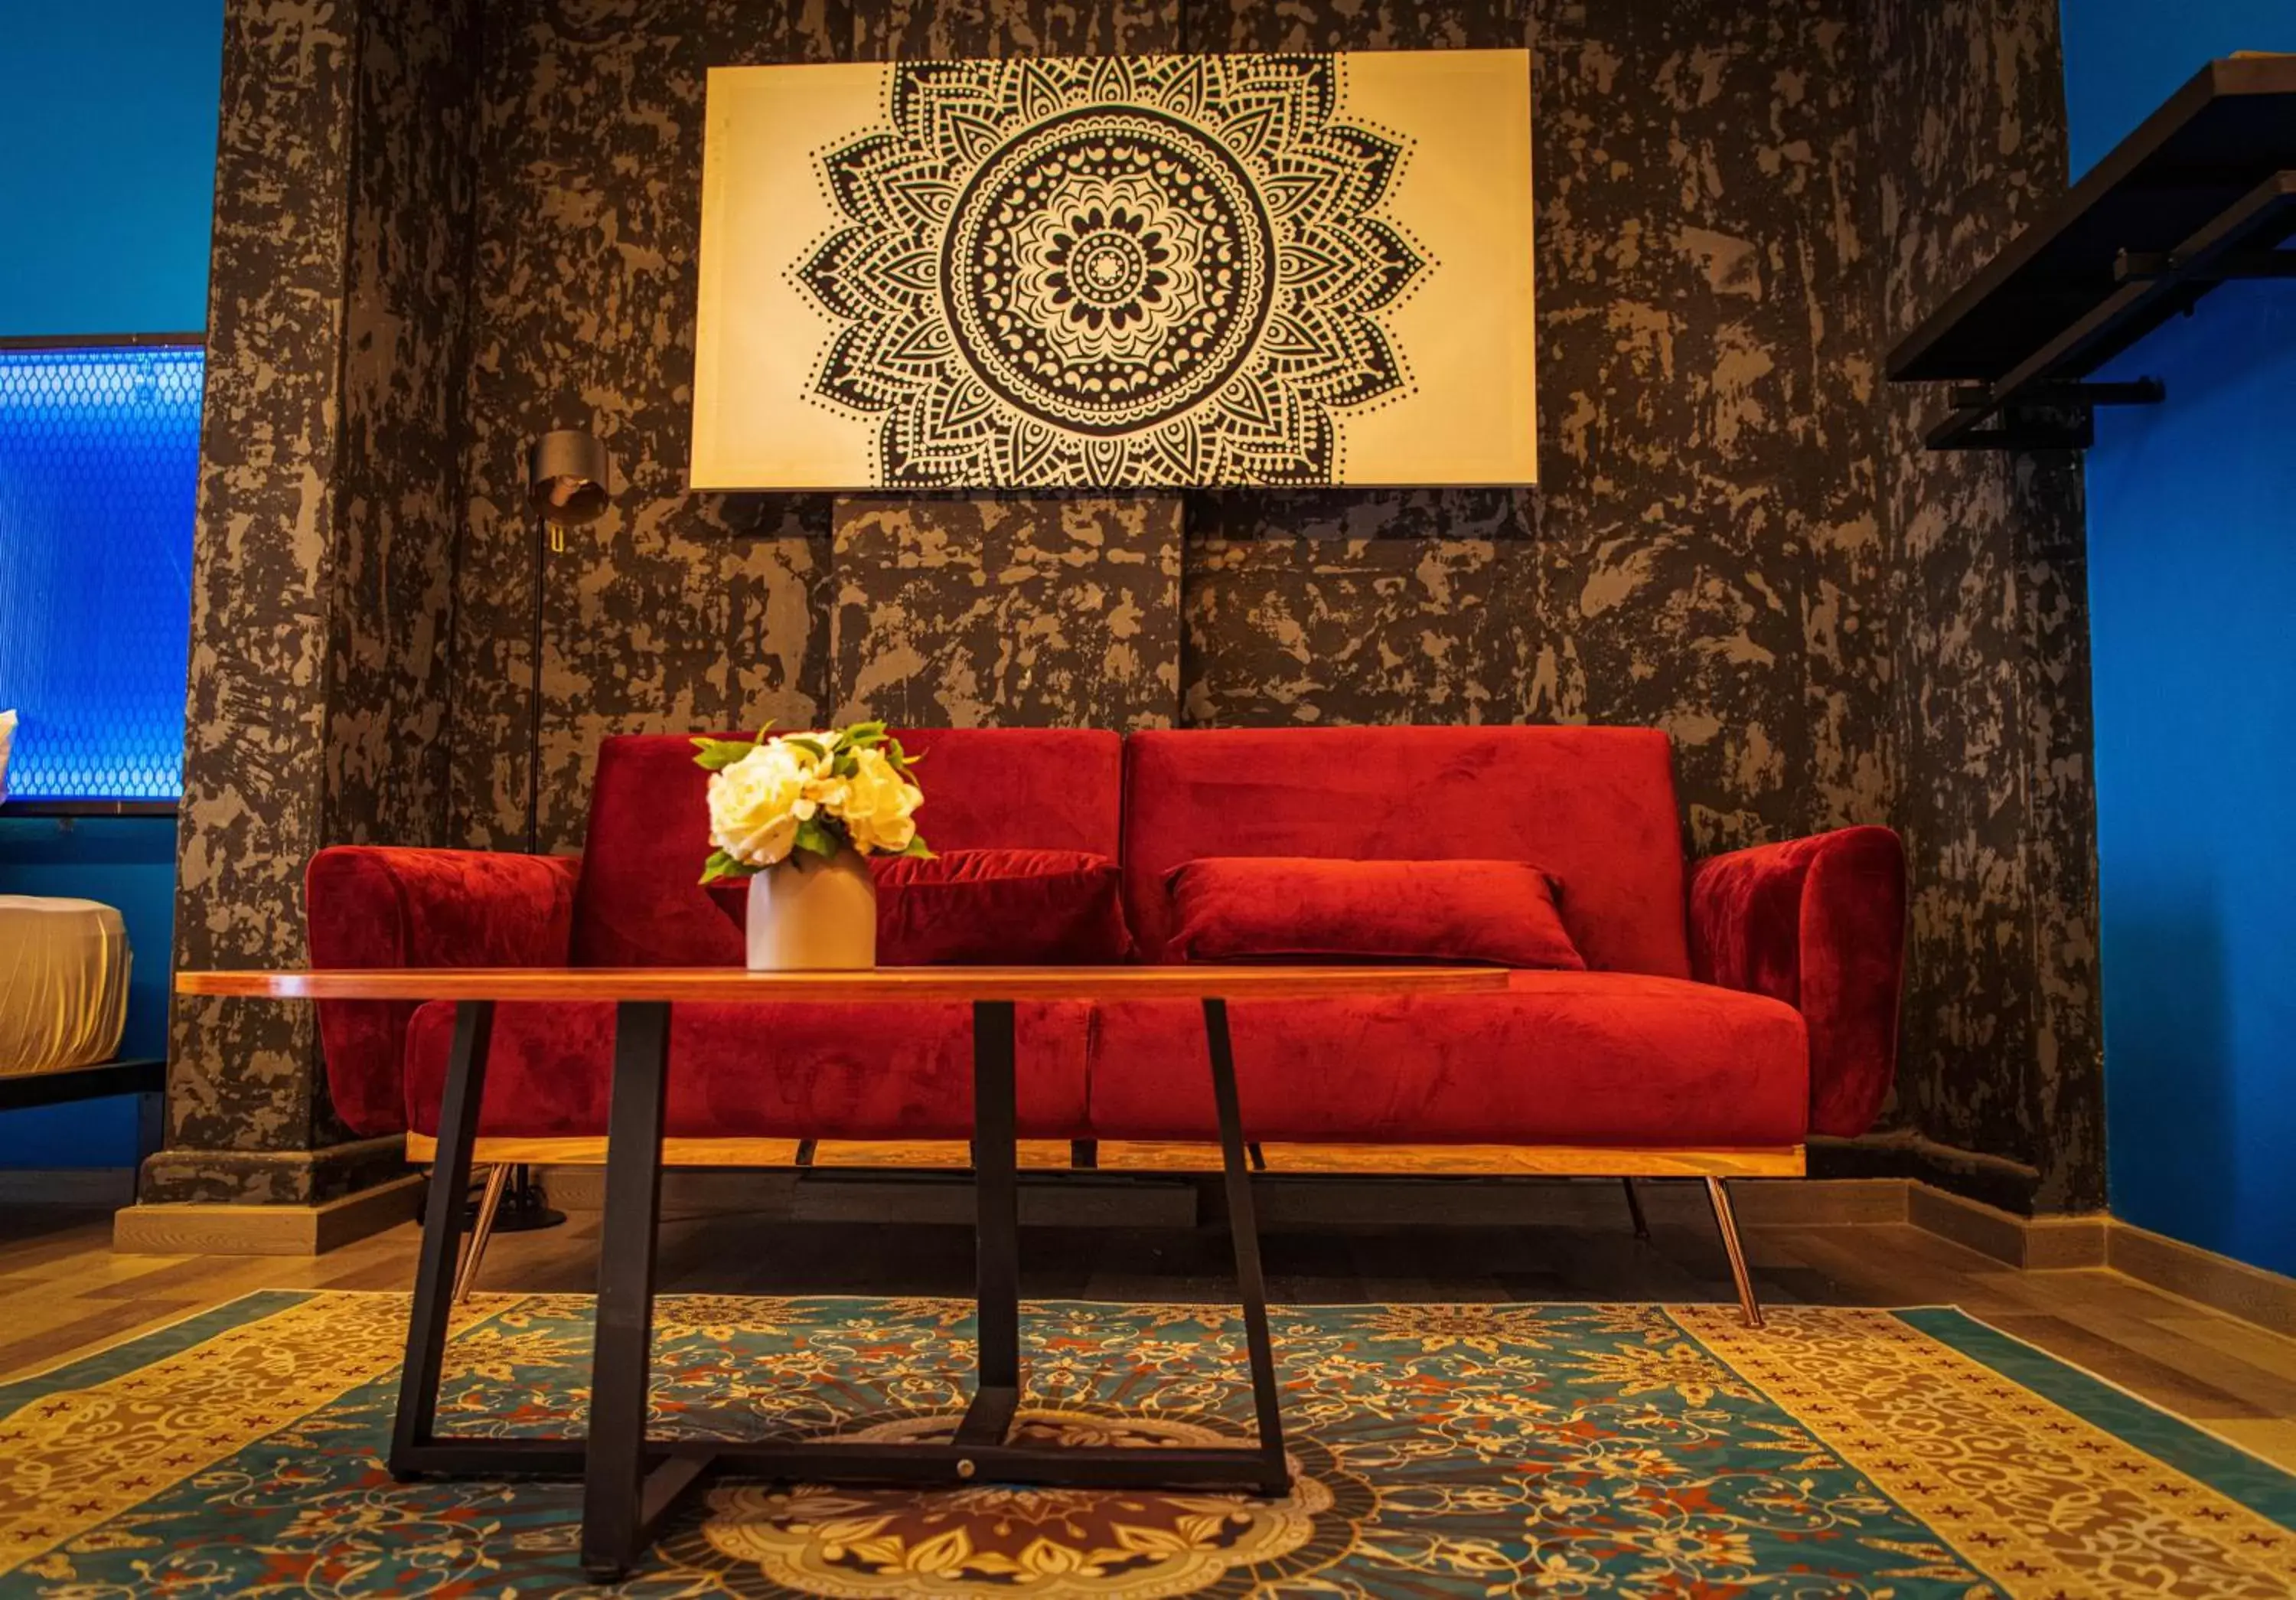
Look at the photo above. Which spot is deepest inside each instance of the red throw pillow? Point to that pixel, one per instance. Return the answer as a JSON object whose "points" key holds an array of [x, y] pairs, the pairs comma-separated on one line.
{"points": [[1241, 907], [987, 908], [1000, 907]]}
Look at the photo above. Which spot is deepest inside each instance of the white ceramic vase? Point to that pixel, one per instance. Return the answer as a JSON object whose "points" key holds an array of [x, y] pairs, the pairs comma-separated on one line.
{"points": [[807, 915]]}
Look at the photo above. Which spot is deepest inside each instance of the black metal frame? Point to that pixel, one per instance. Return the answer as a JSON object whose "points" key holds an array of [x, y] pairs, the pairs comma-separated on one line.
{"points": [[186, 339], [2203, 190], [2045, 402], [631, 1480], [68, 808], [146, 1079], [98, 1082]]}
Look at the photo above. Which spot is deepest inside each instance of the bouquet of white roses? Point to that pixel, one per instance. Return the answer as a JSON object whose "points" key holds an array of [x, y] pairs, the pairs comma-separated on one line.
{"points": [[823, 793]]}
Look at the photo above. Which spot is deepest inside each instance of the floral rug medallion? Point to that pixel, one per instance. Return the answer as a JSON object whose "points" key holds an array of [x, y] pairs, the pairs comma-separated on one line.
{"points": [[994, 1539], [1438, 1450]]}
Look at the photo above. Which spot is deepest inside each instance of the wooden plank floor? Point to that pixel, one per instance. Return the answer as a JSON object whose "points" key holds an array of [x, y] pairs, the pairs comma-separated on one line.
{"points": [[63, 1290]]}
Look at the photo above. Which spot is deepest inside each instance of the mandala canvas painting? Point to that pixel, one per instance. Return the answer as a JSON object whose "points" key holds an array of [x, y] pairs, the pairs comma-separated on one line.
{"points": [[1146, 271]]}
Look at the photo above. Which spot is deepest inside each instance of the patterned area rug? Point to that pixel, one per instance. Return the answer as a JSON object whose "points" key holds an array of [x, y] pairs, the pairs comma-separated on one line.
{"points": [[1441, 1450]]}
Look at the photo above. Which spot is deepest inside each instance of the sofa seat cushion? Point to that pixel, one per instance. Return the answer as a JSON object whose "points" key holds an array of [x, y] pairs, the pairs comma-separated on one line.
{"points": [[827, 1070], [1558, 1058]]}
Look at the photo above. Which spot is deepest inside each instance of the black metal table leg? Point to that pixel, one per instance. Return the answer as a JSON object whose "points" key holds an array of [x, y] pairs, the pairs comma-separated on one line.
{"points": [[442, 1230], [1244, 1232], [618, 1502], [631, 1481], [996, 1232]]}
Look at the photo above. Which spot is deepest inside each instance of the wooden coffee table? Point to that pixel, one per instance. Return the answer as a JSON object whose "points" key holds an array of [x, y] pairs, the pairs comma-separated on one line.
{"points": [[631, 1480]]}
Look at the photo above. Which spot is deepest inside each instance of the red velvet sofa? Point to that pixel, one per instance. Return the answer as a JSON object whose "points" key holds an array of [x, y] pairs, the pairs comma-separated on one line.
{"points": [[1730, 1005]]}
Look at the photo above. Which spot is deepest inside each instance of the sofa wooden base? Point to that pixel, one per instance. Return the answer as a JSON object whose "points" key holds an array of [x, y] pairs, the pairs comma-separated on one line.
{"points": [[1713, 1167], [1125, 1155]]}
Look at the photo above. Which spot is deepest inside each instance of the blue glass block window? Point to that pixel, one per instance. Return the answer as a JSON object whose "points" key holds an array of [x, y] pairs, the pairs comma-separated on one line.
{"points": [[99, 478]]}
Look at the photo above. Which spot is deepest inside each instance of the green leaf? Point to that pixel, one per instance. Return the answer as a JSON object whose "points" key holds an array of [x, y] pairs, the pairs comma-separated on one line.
{"points": [[716, 755], [845, 766], [722, 866], [916, 847], [819, 838], [902, 759], [811, 746], [862, 736]]}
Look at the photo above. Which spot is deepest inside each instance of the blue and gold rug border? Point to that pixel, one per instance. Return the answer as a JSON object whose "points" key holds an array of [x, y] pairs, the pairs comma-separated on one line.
{"points": [[2050, 1491], [139, 1347], [2224, 1464]]}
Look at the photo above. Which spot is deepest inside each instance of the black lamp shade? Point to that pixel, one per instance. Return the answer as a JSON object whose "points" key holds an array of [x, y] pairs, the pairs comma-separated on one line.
{"points": [[566, 477]]}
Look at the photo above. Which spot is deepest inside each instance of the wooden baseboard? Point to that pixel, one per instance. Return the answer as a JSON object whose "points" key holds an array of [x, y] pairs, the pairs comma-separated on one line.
{"points": [[266, 1230], [89, 1187], [2236, 1288], [1133, 1155], [2039, 1244], [2050, 1243]]}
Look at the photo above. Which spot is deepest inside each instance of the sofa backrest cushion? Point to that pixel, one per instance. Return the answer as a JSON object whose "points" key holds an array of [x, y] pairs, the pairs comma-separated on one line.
{"points": [[1594, 807], [640, 902]]}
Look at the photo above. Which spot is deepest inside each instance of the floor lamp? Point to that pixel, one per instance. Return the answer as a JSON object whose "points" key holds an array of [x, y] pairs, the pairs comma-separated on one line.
{"points": [[567, 473], [566, 478]]}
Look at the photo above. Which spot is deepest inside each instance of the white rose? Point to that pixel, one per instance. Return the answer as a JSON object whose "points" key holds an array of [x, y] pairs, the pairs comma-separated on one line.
{"points": [[878, 804], [757, 802]]}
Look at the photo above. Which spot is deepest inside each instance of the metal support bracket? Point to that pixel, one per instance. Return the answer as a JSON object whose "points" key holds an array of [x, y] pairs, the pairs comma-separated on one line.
{"points": [[2135, 391], [2046, 403], [2138, 267]]}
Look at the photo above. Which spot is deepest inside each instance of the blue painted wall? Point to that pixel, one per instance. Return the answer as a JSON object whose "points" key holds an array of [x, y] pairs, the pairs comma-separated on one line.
{"points": [[2191, 535], [108, 123]]}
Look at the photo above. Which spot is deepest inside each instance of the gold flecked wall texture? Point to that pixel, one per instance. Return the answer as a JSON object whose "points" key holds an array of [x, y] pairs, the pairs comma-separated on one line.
{"points": [[2003, 1045], [323, 566], [1740, 207]]}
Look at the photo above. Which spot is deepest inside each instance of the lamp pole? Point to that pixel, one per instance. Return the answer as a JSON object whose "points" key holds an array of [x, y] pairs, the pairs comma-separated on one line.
{"points": [[567, 473], [544, 535]]}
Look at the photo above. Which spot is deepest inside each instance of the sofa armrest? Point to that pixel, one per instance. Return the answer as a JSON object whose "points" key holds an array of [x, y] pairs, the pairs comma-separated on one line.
{"points": [[1820, 924], [373, 907]]}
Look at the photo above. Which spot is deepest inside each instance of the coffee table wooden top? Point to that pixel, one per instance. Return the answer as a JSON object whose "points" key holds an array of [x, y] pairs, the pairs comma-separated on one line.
{"points": [[1185, 983]]}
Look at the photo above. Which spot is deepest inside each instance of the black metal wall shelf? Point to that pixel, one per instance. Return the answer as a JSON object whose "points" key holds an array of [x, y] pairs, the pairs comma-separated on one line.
{"points": [[34, 806], [135, 1076], [2202, 192]]}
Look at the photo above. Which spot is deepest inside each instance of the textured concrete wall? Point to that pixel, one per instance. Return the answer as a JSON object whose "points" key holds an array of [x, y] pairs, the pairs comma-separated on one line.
{"points": [[1739, 207], [993, 612], [405, 355], [1693, 558], [1696, 558], [674, 610], [2003, 1044], [328, 514]]}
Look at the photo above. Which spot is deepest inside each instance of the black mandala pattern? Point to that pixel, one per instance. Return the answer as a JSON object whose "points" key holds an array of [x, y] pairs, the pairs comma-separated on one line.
{"points": [[1099, 274]]}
